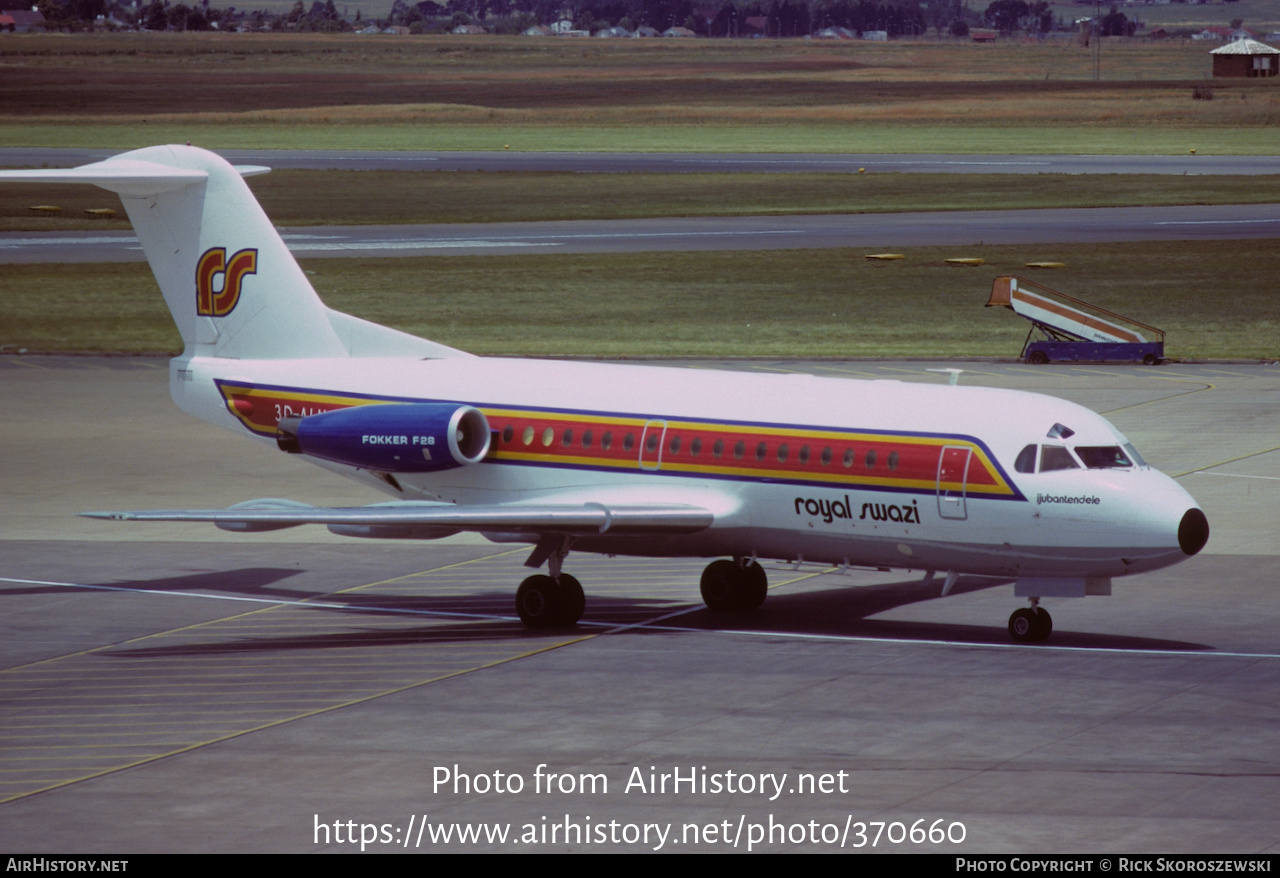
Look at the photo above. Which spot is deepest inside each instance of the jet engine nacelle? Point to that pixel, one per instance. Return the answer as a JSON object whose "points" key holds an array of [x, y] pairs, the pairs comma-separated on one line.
{"points": [[409, 438]]}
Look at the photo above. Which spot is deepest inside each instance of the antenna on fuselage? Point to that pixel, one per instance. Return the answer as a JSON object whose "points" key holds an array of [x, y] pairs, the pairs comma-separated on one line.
{"points": [[954, 373]]}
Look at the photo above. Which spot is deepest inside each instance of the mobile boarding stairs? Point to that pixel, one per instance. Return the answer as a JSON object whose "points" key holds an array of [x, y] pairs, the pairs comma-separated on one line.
{"points": [[1071, 329]]}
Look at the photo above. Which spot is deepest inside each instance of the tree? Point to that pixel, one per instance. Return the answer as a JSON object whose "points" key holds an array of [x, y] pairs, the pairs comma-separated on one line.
{"points": [[156, 16], [1039, 17], [1006, 15], [1115, 24]]}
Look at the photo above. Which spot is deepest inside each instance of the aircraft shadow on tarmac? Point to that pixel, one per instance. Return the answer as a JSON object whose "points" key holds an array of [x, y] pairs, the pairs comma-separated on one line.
{"points": [[249, 581], [831, 612], [848, 612]]}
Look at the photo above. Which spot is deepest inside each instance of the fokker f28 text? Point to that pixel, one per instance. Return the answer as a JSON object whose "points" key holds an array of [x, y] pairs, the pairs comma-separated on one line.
{"points": [[629, 460]]}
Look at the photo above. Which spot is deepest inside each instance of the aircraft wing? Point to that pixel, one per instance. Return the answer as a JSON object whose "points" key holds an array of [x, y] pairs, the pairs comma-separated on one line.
{"points": [[427, 520]]}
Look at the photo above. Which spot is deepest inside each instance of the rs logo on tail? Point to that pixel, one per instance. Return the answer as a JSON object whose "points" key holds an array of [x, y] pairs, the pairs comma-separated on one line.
{"points": [[213, 263]]}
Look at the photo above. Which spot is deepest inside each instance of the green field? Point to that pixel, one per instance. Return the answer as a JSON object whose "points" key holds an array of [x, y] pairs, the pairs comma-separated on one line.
{"points": [[1214, 299]]}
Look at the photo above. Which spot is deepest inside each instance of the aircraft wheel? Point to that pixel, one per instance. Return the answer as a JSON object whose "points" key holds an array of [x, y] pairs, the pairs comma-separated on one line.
{"points": [[1030, 626], [755, 586], [1023, 625], [1151, 360], [721, 585], [540, 601], [574, 599], [1045, 624], [1038, 358], [727, 587]]}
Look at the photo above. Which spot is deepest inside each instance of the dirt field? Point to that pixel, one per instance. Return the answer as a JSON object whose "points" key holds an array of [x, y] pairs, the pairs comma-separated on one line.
{"points": [[451, 92]]}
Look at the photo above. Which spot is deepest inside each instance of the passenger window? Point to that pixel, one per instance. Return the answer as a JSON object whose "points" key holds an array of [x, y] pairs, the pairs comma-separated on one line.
{"points": [[567, 438], [893, 460], [804, 453], [628, 442], [848, 458], [675, 444], [718, 448], [586, 438], [695, 447], [547, 435], [528, 436], [871, 459], [1026, 462], [651, 444], [606, 441], [1055, 457], [761, 450], [783, 452], [739, 449], [507, 433], [826, 457]]}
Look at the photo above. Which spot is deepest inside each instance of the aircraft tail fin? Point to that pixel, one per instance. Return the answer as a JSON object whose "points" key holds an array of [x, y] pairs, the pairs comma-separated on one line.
{"points": [[231, 284]]}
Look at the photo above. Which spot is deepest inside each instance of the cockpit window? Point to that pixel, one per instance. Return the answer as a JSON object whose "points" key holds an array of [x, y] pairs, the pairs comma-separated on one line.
{"points": [[1060, 431], [1103, 456], [1134, 455], [1026, 462], [1055, 457]]}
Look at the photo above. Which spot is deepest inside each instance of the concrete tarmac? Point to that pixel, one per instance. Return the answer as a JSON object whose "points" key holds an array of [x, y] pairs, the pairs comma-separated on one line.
{"points": [[176, 688], [880, 231]]}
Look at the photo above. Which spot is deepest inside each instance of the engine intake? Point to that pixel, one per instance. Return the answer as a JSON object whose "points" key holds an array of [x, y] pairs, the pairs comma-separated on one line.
{"points": [[394, 438]]}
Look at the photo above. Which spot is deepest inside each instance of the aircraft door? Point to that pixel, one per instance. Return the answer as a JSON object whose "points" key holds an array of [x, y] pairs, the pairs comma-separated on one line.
{"points": [[651, 439], [953, 477]]}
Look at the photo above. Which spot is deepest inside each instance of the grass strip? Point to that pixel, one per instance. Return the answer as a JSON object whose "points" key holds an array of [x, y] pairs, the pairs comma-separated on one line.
{"points": [[1138, 137], [1213, 298]]}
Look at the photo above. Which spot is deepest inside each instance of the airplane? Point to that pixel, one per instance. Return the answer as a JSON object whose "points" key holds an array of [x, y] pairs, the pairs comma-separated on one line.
{"points": [[626, 459]]}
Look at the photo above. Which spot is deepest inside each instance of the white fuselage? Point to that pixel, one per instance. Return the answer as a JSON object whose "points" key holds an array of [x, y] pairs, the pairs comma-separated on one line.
{"points": [[874, 473]]}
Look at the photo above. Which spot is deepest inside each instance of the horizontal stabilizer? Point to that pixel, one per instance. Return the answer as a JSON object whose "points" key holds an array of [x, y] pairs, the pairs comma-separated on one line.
{"points": [[123, 175]]}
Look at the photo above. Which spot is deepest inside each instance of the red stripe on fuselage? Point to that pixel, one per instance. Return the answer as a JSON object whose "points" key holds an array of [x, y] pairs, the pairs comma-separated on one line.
{"points": [[843, 457]]}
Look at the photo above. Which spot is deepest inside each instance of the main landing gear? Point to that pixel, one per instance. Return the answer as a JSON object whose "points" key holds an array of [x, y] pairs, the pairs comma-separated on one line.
{"points": [[554, 601], [735, 585], [557, 601], [1031, 624], [547, 602]]}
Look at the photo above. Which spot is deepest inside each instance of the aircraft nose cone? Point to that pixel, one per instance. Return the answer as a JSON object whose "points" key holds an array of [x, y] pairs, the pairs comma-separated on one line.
{"points": [[1193, 531]]}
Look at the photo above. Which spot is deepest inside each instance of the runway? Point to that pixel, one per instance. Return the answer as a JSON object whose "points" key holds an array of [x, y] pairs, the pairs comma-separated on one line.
{"points": [[675, 163], [931, 228], [176, 688]]}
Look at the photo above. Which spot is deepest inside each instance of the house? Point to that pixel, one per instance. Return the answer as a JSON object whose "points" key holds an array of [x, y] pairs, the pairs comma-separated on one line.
{"points": [[1245, 58], [25, 20]]}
